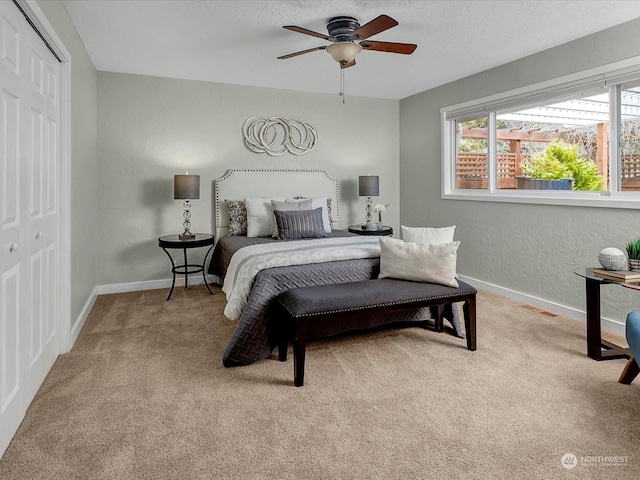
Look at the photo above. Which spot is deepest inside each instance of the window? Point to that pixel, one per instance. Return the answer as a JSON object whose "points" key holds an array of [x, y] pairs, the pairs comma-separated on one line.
{"points": [[630, 136], [550, 144], [472, 153]]}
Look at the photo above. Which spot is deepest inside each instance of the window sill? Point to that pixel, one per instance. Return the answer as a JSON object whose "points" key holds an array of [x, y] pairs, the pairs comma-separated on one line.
{"points": [[586, 199]]}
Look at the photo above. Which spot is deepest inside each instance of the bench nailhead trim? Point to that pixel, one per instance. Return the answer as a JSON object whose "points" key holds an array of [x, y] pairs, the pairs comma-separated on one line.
{"points": [[388, 304]]}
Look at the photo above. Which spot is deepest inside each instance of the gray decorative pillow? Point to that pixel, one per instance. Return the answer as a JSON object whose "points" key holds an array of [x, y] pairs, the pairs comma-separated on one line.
{"points": [[327, 218], [237, 217], [296, 224]]}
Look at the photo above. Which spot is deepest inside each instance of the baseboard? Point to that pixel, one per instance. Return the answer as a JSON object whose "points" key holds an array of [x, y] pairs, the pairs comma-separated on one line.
{"points": [[610, 325], [147, 285], [133, 286], [82, 318]]}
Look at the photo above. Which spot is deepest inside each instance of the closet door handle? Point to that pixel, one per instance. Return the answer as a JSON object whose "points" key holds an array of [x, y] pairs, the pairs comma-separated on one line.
{"points": [[13, 247], [38, 235]]}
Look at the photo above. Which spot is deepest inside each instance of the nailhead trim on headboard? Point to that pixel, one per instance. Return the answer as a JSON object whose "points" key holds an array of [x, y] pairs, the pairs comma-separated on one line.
{"points": [[231, 172]]}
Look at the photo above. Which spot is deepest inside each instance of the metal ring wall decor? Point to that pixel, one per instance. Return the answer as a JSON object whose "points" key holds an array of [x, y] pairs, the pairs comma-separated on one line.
{"points": [[276, 135]]}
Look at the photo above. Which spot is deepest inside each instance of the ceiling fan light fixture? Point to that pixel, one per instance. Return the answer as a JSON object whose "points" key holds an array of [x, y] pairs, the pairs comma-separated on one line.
{"points": [[344, 52]]}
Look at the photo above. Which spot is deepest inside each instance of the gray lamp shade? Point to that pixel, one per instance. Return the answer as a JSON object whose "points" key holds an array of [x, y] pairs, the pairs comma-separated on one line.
{"points": [[369, 186], [186, 187]]}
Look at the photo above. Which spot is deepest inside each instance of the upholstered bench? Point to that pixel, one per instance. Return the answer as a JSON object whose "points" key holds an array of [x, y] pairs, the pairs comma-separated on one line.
{"points": [[326, 310]]}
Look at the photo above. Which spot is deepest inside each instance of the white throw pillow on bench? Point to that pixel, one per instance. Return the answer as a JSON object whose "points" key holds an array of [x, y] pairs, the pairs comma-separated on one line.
{"points": [[428, 234], [433, 263]]}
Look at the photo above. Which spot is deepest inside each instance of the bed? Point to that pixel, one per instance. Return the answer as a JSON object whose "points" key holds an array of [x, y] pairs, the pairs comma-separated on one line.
{"points": [[357, 260]]}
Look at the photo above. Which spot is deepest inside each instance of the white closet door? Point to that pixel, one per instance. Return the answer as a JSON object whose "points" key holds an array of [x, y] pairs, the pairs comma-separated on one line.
{"points": [[39, 157], [29, 215], [11, 222]]}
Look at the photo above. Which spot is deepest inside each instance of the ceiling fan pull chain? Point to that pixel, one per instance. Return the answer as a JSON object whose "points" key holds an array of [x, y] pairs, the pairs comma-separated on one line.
{"points": [[342, 84]]}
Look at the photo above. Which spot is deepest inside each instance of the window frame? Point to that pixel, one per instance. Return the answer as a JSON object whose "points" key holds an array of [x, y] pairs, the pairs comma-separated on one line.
{"points": [[610, 76]]}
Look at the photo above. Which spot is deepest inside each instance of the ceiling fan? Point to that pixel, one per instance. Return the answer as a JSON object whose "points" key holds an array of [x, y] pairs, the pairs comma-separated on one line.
{"points": [[345, 31]]}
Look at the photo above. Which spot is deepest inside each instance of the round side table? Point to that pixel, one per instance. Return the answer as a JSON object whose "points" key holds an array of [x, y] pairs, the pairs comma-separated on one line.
{"points": [[173, 241], [385, 231]]}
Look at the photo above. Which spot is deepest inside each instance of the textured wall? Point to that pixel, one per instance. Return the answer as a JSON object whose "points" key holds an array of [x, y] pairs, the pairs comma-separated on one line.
{"points": [[84, 198], [532, 249], [153, 128]]}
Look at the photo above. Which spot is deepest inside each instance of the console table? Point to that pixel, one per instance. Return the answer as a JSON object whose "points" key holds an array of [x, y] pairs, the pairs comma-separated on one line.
{"points": [[597, 348], [174, 241]]}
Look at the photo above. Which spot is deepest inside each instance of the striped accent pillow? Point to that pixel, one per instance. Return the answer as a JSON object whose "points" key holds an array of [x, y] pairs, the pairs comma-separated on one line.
{"points": [[327, 219], [296, 224]]}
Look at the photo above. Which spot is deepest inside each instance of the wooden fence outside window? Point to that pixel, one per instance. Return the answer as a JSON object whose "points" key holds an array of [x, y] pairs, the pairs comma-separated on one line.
{"points": [[472, 170]]}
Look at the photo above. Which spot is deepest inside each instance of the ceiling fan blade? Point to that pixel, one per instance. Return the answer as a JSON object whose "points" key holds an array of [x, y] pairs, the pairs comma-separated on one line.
{"points": [[391, 47], [375, 26], [349, 64], [293, 28], [284, 57]]}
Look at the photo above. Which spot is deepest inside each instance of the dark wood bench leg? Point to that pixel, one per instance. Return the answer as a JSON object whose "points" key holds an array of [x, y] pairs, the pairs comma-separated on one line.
{"points": [[283, 344], [437, 313], [299, 350], [440, 318], [433, 311], [630, 372], [469, 309]]}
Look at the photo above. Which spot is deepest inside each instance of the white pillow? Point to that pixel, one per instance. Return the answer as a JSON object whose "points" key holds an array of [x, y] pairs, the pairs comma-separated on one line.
{"points": [[433, 263], [320, 202], [260, 219], [428, 234], [289, 206]]}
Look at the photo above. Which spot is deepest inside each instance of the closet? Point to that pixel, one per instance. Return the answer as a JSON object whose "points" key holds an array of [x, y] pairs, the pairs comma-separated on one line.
{"points": [[29, 215]]}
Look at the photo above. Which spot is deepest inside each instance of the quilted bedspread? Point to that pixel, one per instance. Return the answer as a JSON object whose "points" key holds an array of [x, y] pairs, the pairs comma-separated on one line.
{"points": [[249, 261]]}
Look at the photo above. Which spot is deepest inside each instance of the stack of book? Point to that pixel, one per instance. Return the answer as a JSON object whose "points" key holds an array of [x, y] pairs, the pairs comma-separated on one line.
{"points": [[619, 275]]}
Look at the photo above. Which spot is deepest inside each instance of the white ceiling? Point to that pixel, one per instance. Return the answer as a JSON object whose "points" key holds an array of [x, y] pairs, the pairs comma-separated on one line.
{"points": [[238, 41]]}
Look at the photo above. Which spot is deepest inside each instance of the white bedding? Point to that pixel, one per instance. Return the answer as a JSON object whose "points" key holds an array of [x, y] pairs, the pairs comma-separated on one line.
{"points": [[247, 262]]}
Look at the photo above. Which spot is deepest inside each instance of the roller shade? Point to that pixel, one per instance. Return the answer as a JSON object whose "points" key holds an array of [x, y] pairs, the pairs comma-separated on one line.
{"points": [[582, 87]]}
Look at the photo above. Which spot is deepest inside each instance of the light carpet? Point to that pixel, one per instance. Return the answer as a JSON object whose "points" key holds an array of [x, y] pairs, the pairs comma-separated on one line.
{"points": [[143, 394]]}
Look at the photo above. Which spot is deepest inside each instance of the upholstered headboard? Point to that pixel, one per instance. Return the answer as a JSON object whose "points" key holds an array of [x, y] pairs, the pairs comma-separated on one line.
{"points": [[240, 184]]}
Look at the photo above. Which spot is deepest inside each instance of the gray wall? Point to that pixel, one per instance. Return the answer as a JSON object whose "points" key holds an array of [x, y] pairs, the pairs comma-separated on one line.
{"points": [[150, 129], [531, 249], [84, 199]]}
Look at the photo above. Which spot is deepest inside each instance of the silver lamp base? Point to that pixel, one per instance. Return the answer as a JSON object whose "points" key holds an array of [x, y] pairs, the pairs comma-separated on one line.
{"points": [[187, 235]]}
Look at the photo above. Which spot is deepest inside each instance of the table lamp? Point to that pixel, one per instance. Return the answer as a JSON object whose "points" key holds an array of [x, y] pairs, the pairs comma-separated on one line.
{"points": [[369, 186], [186, 187]]}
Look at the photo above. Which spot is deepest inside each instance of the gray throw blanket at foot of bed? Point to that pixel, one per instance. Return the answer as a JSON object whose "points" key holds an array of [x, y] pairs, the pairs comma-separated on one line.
{"points": [[251, 342]]}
